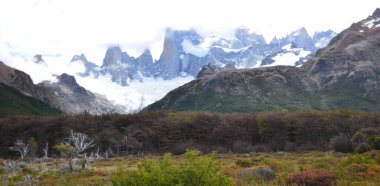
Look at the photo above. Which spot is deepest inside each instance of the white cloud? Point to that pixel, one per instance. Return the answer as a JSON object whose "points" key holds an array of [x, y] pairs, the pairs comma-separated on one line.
{"points": [[71, 26], [135, 95]]}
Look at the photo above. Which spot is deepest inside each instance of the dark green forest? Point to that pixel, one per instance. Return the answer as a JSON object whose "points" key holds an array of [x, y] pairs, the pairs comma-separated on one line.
{"points": [[13, 102]]}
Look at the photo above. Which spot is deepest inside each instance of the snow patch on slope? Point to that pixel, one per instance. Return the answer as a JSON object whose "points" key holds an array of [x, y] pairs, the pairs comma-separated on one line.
{"points": [[229, 50], [200, 50], [373, 23], [289, 57]]}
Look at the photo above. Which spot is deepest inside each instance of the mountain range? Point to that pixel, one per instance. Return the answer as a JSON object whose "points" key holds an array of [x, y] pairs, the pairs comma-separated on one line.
{"points": [[344, 74], [185, 52]]}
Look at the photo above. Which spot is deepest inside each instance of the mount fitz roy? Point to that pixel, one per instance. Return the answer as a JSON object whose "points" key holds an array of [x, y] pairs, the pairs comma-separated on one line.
{"points": [[184, 54], [344, 74]]}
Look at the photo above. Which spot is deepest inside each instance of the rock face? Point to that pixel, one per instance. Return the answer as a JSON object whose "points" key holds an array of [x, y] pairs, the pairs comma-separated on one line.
{"points": [[75, 99], [345, 74], [91, 68], [185, 54], [22, 82], [65, 94]]}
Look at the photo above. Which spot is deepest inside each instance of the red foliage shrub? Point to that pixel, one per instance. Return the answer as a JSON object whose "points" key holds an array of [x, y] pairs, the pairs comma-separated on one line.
{"points": [[312, 178]]}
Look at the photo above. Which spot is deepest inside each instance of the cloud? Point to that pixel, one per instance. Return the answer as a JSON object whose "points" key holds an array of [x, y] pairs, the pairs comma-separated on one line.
{"points": [[135, 96], [72, 27]]}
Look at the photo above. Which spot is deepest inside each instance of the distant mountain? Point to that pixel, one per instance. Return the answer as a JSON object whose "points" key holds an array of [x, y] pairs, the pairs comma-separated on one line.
{"points": [[322, 39], [23, 83], [13, 103], [75, 99], [185, 52], [344, 74], [22, 96]]}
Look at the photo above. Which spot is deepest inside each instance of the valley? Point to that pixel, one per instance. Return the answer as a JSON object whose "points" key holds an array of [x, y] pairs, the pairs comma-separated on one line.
{"points": [[189, 106]]}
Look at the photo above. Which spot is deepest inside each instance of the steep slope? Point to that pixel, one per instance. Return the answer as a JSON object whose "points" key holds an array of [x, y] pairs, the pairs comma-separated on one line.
{"points": [[75, 99], [13, 102], [22, 82], [345, 74]]}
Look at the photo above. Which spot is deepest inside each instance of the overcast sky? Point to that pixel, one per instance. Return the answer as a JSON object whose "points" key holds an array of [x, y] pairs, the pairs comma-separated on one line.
{"points": [[68, 27]]}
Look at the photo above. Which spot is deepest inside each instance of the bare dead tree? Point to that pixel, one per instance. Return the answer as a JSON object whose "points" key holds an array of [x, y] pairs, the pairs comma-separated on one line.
{"points": [[46, 150], [21, 148], [80, 142]]}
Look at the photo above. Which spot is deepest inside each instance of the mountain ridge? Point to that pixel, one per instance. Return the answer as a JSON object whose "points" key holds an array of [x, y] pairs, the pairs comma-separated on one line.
{"points": [[184, 54], [344, 74]]}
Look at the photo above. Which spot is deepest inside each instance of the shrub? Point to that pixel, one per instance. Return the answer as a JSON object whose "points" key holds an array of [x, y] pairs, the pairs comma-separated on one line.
{"points": [[362, 148], [193, 170], [244, 163], [312, 178], [356, 168], [264, 173], [359, 159], [260, 174], [341, 143]]}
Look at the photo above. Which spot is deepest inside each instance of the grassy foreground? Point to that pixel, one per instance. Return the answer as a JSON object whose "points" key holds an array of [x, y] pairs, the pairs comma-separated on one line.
{"points": [[313, 168]]}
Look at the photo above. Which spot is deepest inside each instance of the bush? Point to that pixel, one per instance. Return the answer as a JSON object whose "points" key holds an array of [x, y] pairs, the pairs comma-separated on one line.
{"points": [[362, 148], [341, 143], [264, 173], [244, 163], [259, 175], [359, 159], [312, 178], [193, 170]]}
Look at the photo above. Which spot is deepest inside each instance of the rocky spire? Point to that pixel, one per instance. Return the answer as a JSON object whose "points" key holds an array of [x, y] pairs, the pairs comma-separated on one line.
{"points": [[376, 13]]}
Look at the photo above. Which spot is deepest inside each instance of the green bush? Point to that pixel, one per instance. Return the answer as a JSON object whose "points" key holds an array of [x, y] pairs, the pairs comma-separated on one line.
{"points": [[362, 148], [244, 163], [192, 170], [359, 159]]}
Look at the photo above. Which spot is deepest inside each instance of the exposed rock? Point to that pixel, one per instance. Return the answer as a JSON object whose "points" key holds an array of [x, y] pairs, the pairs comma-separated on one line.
{"points": [[376, 13], [22, 82], [184, 55], [38, 59], [345, 74], [75, 99]]}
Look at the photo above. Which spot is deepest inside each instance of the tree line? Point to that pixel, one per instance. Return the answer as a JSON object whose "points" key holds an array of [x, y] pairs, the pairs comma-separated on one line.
{"points": [[167, 131]]}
